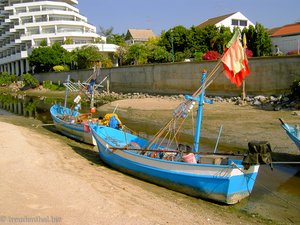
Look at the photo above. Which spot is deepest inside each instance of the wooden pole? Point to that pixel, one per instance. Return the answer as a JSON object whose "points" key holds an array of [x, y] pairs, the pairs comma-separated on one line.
{"points": [[244, 82], [107, 86], [244, 91]]}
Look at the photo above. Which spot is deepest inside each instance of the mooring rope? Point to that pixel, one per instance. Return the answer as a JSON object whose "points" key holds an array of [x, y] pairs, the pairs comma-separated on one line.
{"points": [[266, 188]]}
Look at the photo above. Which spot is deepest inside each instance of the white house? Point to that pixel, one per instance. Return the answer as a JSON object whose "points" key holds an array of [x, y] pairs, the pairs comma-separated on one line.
{"points": [[25, 23], [232, 20], [135, 36]]}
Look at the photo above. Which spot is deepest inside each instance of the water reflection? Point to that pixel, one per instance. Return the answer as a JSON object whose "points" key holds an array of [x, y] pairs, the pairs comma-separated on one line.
{"points": [[31, 106], [20, 105]]}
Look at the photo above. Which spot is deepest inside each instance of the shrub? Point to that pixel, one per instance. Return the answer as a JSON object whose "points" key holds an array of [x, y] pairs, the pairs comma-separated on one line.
{"points": [[249, 53], [53, 87], [295, 90], [66, 68], [58, 68], [107, 63], [30, 80], [198, 56], [211, 55], [7, 79]]}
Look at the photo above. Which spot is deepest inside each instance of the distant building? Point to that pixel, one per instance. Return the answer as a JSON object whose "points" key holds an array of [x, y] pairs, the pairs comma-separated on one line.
{"points": [[24, 24], [232, 20], [287, 37], [135, 36]]}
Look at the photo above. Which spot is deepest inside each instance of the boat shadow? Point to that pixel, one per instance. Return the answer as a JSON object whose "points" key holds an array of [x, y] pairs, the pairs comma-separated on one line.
{"points": [[88, 153]]}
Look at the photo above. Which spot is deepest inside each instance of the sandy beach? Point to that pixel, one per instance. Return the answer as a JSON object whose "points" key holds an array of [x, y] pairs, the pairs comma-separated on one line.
{"points": [[48, 180]]}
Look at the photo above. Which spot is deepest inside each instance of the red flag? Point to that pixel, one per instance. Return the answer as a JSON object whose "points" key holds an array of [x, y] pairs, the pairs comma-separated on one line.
{"points": [[235, 61]]}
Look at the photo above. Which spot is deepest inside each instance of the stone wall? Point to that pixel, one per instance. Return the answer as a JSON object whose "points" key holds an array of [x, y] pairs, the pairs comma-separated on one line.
{"points": [[269, 76]]}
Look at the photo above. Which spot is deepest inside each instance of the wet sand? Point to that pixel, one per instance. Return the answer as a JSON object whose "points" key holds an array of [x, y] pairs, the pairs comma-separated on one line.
{"points": [[47, 176]]}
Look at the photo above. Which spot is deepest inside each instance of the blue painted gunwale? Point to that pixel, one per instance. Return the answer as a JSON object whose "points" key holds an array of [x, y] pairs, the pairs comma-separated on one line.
{"points": [[291, 132], [72, 130], [222, 183]]}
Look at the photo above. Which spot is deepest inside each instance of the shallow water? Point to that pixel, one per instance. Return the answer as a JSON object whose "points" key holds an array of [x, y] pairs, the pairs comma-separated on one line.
{"points": [[276, 194]]}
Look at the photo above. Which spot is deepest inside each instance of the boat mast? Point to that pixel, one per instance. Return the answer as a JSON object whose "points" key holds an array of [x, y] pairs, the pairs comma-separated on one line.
{"points": [[199, 114], [66, 94], [200, 101]]}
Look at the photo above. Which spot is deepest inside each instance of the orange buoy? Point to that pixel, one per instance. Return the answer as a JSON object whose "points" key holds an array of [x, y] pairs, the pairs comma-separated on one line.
{"points": [[93, 110]]}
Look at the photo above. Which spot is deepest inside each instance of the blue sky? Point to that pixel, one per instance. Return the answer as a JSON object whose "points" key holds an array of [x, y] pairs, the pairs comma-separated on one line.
{"points": [[161, 15]]}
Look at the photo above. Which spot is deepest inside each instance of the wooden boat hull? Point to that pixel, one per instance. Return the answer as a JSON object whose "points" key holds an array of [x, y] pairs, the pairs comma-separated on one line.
{"points": [[291, 132], [77, 131], [228, 183]]}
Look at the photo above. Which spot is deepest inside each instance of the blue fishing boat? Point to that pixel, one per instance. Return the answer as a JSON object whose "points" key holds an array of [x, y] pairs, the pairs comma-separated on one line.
{"points": [[225, 178], [72, 123], [292, 131], [215, 177], [69, 121]]}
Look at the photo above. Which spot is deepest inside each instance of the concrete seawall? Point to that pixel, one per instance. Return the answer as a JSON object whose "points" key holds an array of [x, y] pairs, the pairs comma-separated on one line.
{"points": [[269, 76]]}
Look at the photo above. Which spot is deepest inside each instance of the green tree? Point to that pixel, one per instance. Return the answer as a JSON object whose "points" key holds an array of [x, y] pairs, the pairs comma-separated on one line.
{"points": [[43, 43], [105, 32], [68, 41], [86, 56], [175, 41], [224, 37], [116, 39], [156, 53], [195, 42], [43, 59], [99, 40], [137, 54], [121, 54], [63, 55], [159, 54], [250, 36], [106, 63], [258, 40], [210, 35]]}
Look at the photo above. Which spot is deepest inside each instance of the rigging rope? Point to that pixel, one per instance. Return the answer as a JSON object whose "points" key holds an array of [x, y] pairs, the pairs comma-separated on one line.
{"points": [[181, 112]]}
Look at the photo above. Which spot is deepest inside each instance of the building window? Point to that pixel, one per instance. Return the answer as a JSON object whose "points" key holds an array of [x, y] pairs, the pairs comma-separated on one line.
{"points": [[20, 10], [243, 23], [27, 20], [33, 30], [12, 2], [69, 30], [49, 8], [48, 30], [235, 22], [34, 9], [60, 18]]}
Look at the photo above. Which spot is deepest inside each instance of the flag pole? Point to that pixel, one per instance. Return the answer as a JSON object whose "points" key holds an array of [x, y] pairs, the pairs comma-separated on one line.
{"points": [[244, 82]]}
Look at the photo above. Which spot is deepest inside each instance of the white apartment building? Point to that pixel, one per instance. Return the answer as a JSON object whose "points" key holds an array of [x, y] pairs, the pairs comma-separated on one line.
{"points": [[25, 23]]}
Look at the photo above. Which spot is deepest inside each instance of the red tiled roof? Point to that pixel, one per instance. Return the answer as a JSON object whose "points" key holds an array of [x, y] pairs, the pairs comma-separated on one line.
{"points": [[287, 30], [273, 30]]}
